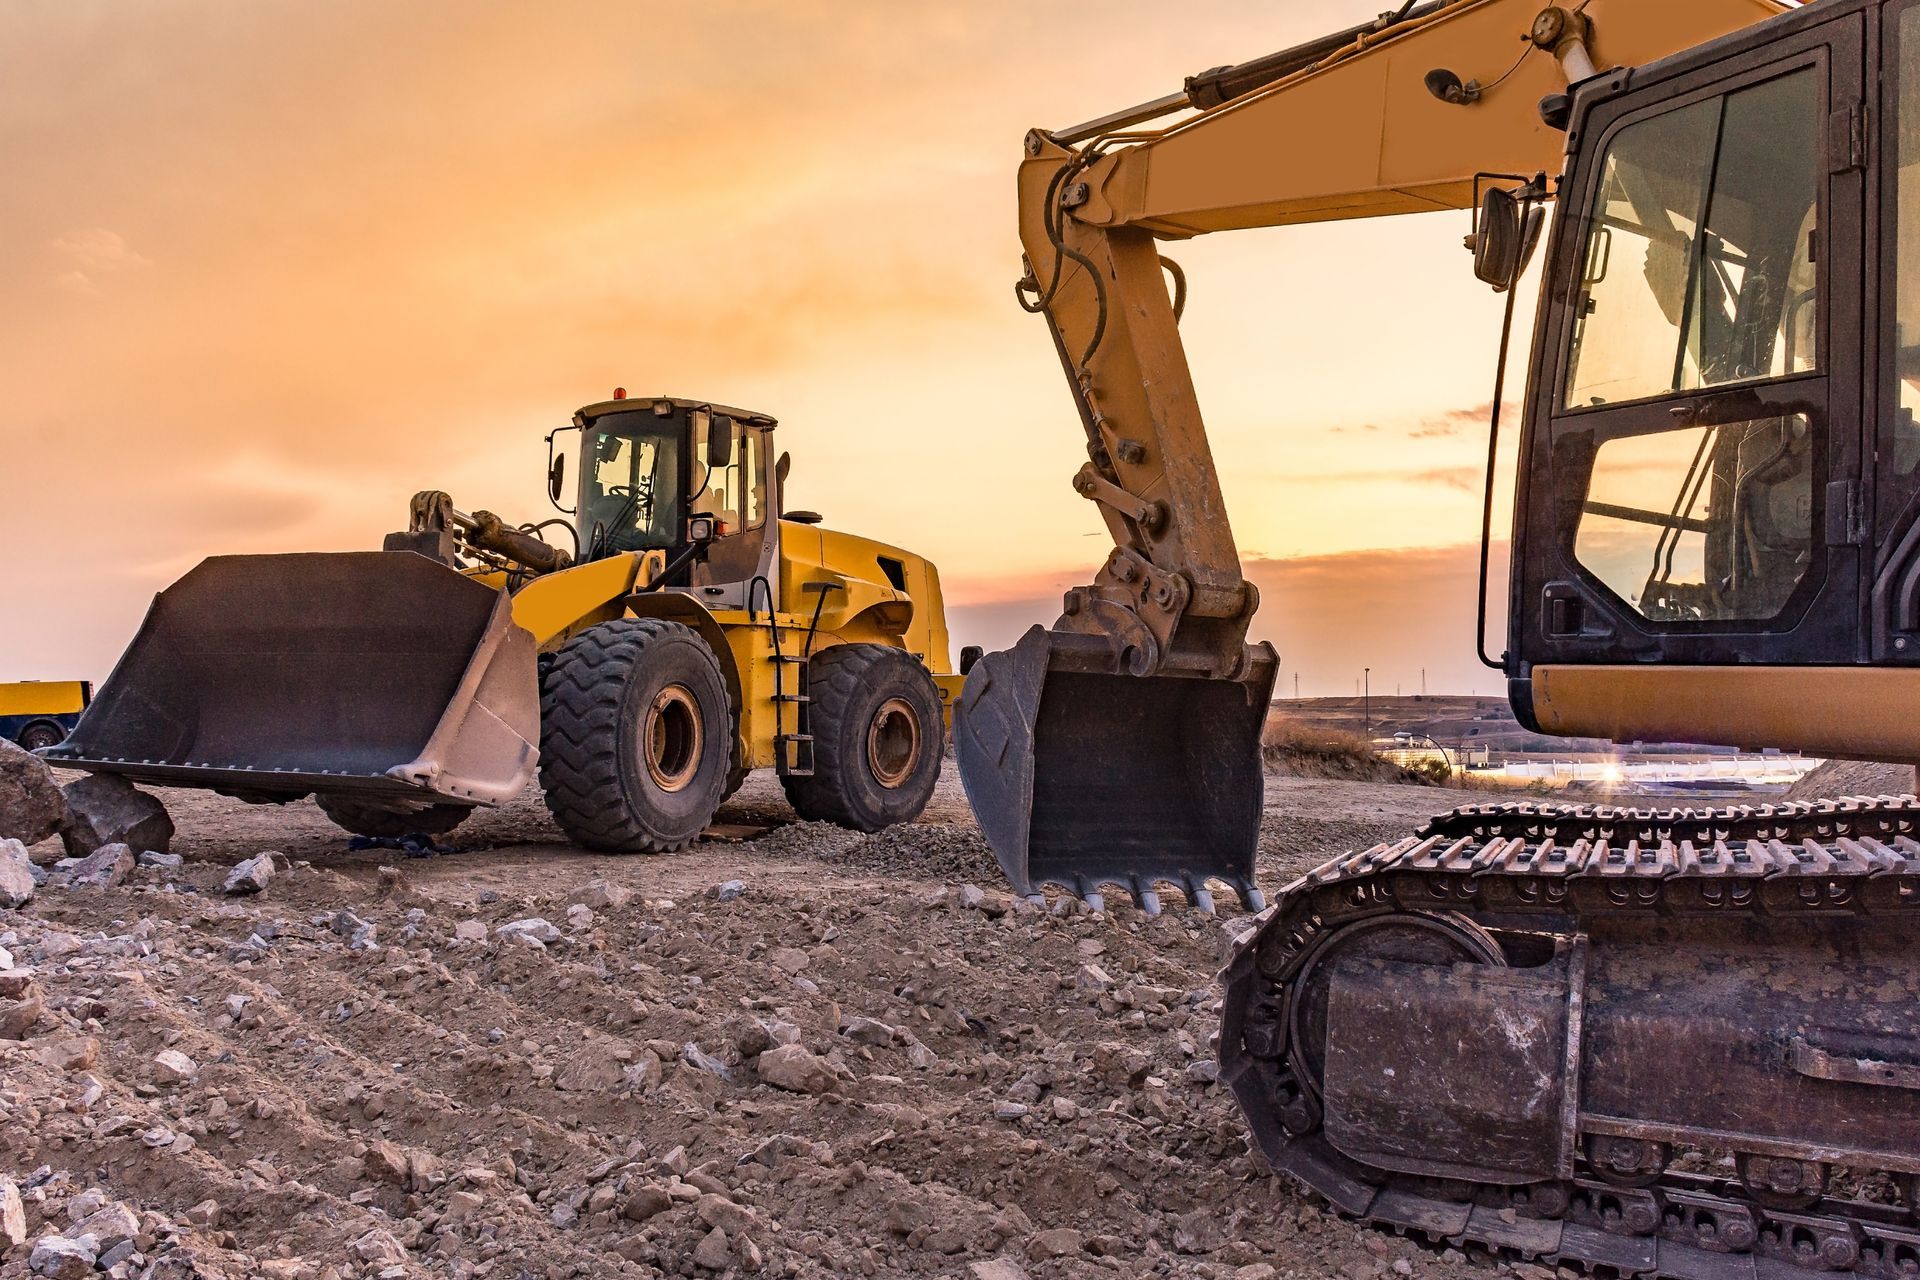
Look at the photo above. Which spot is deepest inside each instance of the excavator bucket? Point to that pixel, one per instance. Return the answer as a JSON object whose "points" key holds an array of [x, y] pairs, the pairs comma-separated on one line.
{"points": [[1083, 777], [383, 675]]}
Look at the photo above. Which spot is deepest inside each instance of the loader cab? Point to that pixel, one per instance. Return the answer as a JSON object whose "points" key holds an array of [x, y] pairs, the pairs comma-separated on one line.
{"points": [[1694, 471], [649, 467]]}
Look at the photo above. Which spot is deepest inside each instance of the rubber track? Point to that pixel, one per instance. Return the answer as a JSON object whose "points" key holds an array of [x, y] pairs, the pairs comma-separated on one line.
{"points": [[580, 725], [833, 679], [1860, 854]]}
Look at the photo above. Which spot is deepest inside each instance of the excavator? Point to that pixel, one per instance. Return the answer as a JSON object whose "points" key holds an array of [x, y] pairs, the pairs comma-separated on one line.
{"points": [[1680, 1043]]}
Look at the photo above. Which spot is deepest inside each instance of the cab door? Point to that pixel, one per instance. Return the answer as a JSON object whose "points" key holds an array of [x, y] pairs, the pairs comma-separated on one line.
{"points": [[1690, 493]]}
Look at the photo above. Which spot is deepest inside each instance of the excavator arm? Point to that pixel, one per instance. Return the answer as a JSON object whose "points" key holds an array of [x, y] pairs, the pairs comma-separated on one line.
{"points": [[1093, 751]]}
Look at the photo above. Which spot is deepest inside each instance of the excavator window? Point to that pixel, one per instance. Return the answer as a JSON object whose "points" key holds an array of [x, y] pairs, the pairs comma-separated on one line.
{"points": [[1901, 448], [1699, 268], [1700, 274]]}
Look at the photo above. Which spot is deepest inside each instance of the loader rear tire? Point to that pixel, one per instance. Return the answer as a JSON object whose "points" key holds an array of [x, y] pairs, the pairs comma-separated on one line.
{"points": [[367, 820], [878, 737], [636, 736]]}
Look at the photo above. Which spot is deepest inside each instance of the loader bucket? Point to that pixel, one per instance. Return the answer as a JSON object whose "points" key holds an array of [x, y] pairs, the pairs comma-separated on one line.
{"points": [[378, 674], [1086, 778]]}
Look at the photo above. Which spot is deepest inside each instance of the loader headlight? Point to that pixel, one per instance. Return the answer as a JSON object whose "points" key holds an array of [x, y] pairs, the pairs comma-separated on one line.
{"points": [[700, 529]]}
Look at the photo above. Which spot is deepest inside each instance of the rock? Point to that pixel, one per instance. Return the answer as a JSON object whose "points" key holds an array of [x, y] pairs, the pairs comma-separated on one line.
{"points": [[734, 1219], [385, 1162], [13, 1216], [968, 897], [1202, 1231], [250, 876], [649, 1201], [204, 1214], [16, 874], [790, 959], [713, 1252], [1060, 1242], [604, 895], [1009, 1110], [470, 931], [61, 1258], [1265, 1271], [867, 1031], [31, 806], [579, 916], [532, 929], [164, 861], [18, 1018], [1091, 977], [791, 1066], [700, 1060], [105, 867], [593, 1068], [104, 808], [172, 1067], [727, 890], [379, 1249], [997, 1269], [112, 1225], [70, 1053]]}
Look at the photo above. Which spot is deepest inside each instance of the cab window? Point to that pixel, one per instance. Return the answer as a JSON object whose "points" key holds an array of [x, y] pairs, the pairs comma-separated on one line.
{"points": [[1699, 263], [634, 488]]}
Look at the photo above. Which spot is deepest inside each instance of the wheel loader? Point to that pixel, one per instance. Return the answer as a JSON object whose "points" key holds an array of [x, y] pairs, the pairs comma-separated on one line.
{"points": [[684, 629], [1681, 1043]]}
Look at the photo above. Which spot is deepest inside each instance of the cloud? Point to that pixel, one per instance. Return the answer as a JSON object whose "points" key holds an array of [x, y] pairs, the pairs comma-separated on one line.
{"points": [[93, 252]]}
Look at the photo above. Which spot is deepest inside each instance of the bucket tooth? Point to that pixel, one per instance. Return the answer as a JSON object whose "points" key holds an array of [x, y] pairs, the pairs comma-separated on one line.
{"points": [[1083, 777]]}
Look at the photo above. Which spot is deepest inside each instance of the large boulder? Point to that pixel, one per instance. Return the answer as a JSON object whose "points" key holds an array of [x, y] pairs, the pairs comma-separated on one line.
{"points": [[31, 806], [104, 808]]}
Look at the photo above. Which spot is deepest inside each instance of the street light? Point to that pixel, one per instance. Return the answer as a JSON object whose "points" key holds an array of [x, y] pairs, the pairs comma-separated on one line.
{"points": [[1366, 701]]}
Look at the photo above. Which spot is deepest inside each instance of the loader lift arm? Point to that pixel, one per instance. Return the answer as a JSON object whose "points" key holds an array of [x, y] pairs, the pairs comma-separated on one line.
{"points": [[1403, 115]]}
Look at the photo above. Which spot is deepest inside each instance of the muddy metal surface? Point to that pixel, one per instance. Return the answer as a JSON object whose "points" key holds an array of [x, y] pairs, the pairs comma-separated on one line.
{"points": [[854, 1067]]}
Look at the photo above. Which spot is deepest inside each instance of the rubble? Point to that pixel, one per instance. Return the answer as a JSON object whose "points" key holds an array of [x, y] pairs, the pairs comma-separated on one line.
{"points": [[16, 874], [103, 809], [31, 805], [532, 929], [250, 876], [59, 1257], [171, 1067], [13, 1216], [792, 1067], [652, 1094], [105, 867]]}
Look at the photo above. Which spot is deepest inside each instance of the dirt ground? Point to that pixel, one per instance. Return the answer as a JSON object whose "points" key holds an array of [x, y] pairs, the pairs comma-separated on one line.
{"points": [[379, 1082]]}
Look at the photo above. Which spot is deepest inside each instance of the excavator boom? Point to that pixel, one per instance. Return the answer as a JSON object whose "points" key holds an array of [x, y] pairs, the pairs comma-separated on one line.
{"points": [[1092, 751]]}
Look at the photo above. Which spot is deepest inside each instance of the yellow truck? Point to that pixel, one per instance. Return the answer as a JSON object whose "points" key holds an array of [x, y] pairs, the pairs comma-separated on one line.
{"points": [[41, 713]]}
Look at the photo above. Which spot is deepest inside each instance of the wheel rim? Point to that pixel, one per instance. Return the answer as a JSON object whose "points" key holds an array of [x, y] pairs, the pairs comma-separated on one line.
{"points": [[671, 738], [38, 739], [893, 742]]}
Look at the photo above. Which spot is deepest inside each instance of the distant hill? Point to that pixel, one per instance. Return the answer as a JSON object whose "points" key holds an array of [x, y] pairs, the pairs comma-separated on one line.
{"points": [[1456, 722]]}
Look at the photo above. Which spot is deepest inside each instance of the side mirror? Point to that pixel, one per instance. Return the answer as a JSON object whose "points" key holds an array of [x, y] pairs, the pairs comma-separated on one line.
{"points": [[719, 441], [556, 477], [1497, 240]]}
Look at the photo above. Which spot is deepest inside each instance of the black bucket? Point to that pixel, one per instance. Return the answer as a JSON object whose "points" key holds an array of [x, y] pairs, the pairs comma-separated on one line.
{"points": [[1086, 779], [376, 674]]}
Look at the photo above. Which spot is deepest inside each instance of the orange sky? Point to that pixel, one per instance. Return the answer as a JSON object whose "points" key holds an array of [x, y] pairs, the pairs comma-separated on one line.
{"points": [[273, 267]]}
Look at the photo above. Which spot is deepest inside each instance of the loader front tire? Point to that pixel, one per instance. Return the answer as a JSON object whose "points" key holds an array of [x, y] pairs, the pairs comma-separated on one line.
{"points": [[877, 738], [369, 820], [636, 736]]}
